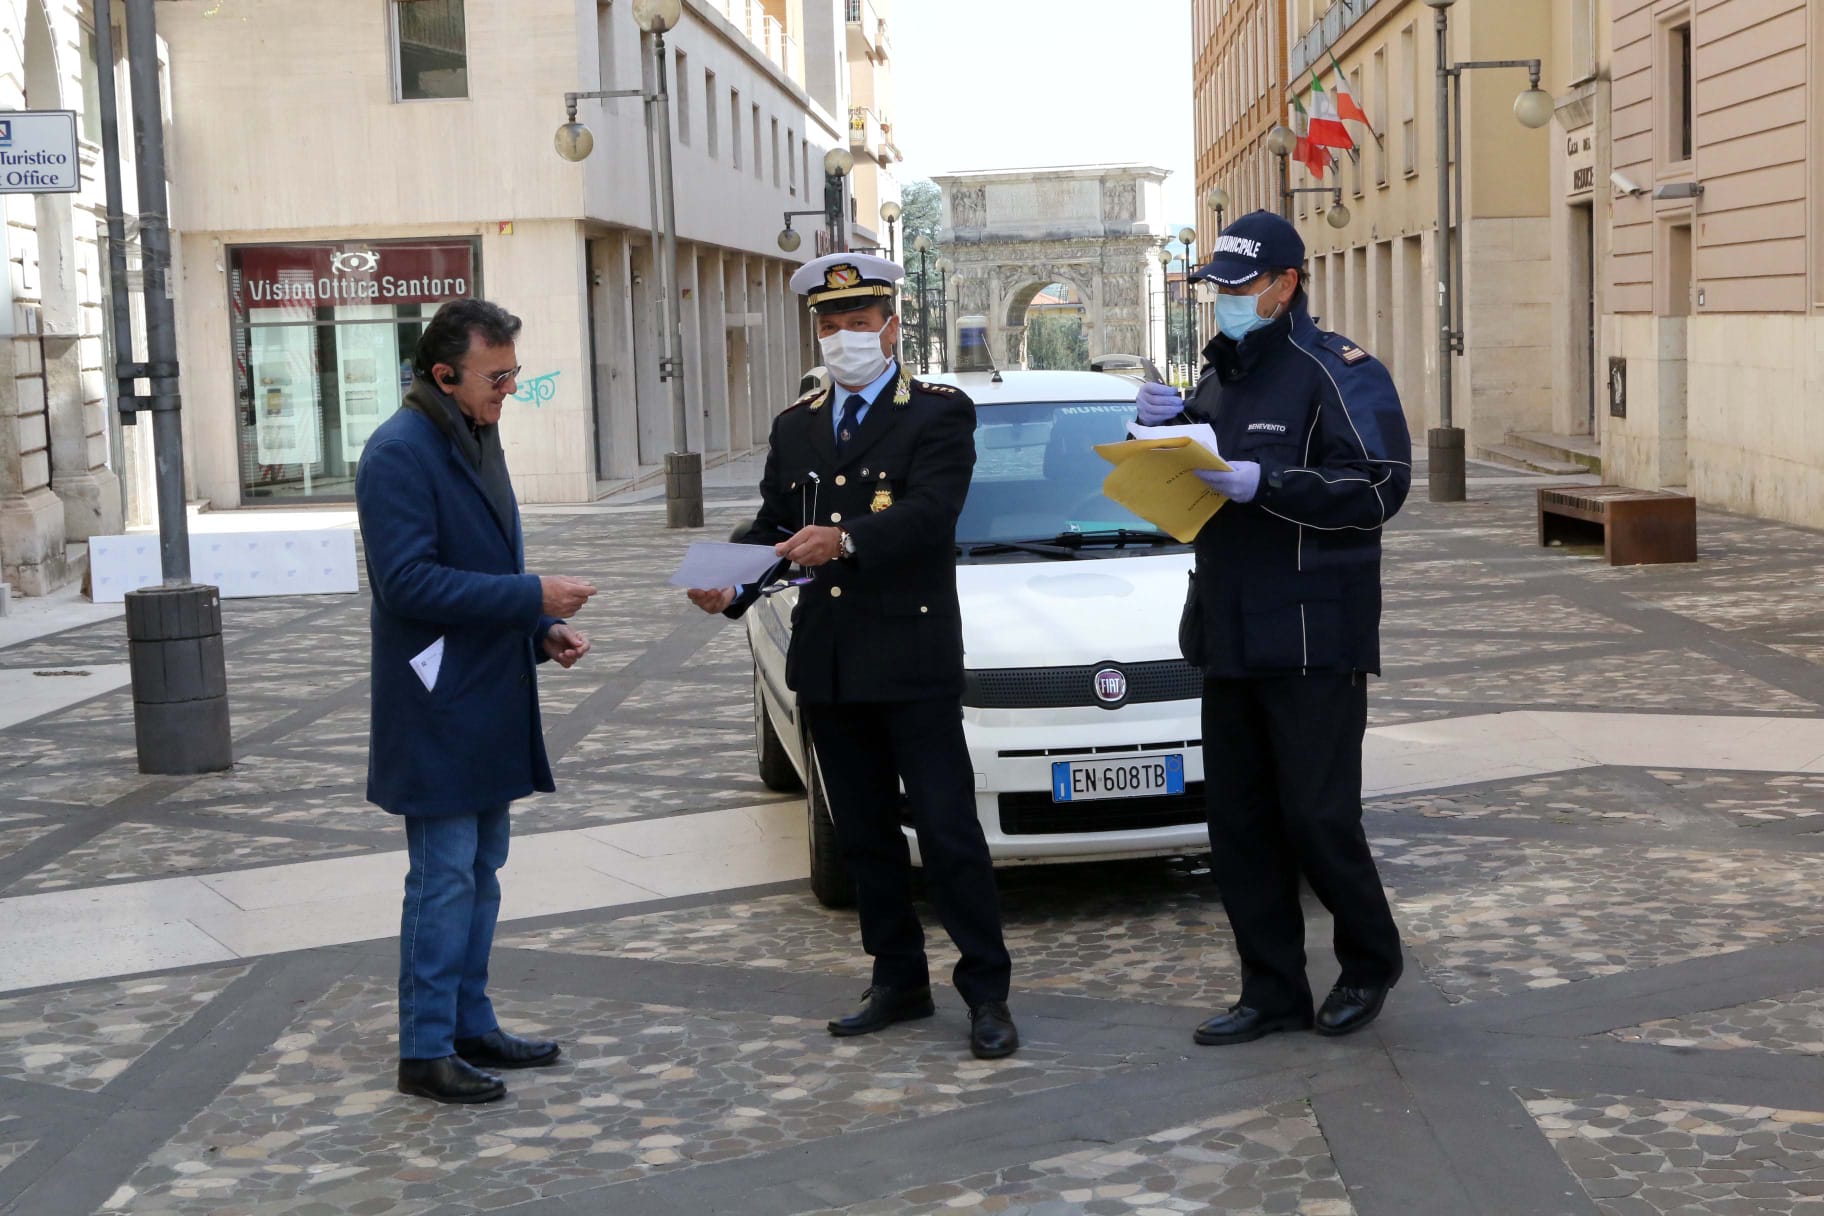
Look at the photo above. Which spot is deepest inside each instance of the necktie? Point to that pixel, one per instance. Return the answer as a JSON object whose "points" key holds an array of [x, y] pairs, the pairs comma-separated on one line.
{"points": [[846, 418]]}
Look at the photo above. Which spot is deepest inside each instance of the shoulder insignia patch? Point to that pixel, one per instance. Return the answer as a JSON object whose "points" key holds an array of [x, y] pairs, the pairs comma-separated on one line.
{"points": [[1344, 349], [812, 399], [1351, 354], [941, 390]]}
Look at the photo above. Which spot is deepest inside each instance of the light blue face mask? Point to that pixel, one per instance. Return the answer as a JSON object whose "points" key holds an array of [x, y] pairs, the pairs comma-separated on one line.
{"points": [[1239, 316]]}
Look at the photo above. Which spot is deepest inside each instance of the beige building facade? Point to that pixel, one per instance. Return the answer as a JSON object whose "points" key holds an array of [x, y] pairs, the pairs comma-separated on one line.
{"points": [[344, 167], [1714, 319], [1376, 278], [62, 452], [1239, 94]]}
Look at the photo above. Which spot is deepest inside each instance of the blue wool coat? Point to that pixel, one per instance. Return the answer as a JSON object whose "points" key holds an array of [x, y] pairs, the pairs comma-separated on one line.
{"points": [[443, 564]]}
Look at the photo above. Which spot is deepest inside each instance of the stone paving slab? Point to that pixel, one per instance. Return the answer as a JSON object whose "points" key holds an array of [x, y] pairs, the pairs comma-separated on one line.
{"points": [[149, 850], [1792, 1022], [82, 1038], [315, 1120], [1271, 1160], [1646, 1157]]}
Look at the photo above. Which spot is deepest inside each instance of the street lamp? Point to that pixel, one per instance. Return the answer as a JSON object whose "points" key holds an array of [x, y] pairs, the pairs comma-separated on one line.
{"points": [[889, 215], [1163, 256], [1187, 236], [923, 247], [1533, 109], [837, 165], [574, 142], [1282, 142], [1218, 199], [944, 267]]}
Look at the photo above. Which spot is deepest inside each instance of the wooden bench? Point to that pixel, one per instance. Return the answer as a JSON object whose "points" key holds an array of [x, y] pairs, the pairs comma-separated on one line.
{"points": [[1636, 527]]}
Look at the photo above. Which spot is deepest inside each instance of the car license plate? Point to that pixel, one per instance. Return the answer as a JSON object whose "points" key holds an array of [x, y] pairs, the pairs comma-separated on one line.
{"points": [[1127, 777]]}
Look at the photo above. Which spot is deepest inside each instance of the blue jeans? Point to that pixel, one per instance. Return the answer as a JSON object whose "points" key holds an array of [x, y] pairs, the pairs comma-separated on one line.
{"points": [[452, 899]]}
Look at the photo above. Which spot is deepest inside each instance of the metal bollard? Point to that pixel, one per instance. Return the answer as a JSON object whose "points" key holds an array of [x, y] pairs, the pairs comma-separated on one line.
{"points": [[180, 680]]}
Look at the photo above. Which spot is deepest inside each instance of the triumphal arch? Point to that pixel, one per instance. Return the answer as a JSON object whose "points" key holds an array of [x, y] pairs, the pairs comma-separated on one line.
{"points": [[1010, 233]]}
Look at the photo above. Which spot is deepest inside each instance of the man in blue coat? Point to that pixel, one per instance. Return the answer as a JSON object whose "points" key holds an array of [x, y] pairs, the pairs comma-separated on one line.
{"points": [[458, 628], [1286, 627]]}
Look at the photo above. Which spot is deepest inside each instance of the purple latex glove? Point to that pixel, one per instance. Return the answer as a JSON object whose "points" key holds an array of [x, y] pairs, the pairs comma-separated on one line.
{"points": [[1239, 484], [1159, 403]]}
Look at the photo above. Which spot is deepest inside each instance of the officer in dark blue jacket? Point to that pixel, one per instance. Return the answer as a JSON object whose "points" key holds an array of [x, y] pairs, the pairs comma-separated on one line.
{"points": [[1285, 624]]}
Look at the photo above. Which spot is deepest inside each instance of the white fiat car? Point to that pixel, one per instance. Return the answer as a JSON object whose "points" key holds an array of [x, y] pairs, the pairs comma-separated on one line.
{"points": [[1082, 717]]}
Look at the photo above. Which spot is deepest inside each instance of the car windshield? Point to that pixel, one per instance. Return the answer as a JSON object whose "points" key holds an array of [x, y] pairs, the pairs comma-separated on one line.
{"points": [[1038, 479]]}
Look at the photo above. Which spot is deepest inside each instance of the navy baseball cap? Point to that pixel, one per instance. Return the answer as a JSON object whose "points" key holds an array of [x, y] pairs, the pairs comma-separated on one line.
{"points": [[1254, 244]]}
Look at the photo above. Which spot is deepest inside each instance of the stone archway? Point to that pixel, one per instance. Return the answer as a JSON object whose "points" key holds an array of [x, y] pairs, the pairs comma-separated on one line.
{"points": [[1012, 232]]}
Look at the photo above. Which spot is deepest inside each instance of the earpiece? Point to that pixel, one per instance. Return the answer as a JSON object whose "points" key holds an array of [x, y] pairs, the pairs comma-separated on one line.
{"points": [[450, 381]]}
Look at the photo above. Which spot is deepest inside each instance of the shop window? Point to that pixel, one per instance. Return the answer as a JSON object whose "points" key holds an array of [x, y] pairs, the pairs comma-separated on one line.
{"points": [[323, 338], [432, 49]]}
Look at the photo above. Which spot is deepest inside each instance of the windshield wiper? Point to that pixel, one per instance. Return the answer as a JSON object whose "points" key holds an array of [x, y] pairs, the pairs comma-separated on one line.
{"points": [[1120, 538], [984, 548]]}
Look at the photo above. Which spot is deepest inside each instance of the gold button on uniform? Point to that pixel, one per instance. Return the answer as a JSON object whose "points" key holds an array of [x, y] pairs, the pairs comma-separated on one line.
{"points": [[841, 480], [835, 593], [835, 517]]}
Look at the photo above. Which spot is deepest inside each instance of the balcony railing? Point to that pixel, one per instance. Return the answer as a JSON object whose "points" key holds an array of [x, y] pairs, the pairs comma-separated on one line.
{"points": [[1310, 47]]}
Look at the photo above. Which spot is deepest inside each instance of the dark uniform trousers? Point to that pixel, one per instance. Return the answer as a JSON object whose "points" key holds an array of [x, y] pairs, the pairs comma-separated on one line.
{"points": [[1282, 760], [861, 747]]}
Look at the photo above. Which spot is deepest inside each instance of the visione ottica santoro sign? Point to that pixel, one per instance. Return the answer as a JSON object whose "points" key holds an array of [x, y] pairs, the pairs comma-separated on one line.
{"points": [[38, 152]]}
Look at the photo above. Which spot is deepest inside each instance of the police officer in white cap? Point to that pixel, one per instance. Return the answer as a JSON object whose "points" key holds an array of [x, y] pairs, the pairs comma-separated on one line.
{"points": [[863, 485]]}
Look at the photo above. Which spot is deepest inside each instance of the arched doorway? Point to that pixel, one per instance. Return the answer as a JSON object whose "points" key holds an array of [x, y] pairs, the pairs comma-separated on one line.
{"points": [[1047, 326]]}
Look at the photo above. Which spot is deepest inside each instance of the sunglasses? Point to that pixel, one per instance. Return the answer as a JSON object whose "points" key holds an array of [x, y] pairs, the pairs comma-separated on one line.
{"points": [[498, 381]]}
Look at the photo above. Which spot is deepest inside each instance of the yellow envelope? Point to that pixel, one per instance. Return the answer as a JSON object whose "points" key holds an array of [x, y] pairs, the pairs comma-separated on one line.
{"points": [[1157, 480]]}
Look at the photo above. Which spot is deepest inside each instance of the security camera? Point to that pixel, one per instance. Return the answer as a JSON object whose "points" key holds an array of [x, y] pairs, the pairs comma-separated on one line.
{"points": [[1624, 185]]}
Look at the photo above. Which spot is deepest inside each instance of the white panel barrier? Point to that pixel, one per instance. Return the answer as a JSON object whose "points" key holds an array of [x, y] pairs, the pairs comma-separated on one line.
{"points": [[243, 564]]}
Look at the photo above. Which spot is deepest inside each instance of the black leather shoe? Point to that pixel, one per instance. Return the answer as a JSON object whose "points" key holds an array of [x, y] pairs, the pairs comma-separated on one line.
{"points": [[882, 1006], [992, 1033], [450, 1079], [1349, 1009], [498, 1049], [1244, 1024]]}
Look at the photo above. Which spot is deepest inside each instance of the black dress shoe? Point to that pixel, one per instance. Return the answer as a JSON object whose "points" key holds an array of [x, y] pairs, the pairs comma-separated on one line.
{"points": [[450, 1079], [882, 1006], [1244, 1024], [992, 1033], [1349, 1009], [498, 1049]]}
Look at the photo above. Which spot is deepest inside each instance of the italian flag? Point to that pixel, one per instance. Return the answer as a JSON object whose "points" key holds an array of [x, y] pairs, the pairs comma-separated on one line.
{"points": [[1327, 129], [1347, 108], [1310, 155]]}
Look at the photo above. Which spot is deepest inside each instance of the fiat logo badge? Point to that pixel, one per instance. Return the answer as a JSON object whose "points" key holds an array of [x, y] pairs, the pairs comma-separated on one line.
{"points": [[1111, 685]]}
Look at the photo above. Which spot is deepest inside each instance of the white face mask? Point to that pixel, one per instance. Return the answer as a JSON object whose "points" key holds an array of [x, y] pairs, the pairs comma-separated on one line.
{"points": [[854, 357]]}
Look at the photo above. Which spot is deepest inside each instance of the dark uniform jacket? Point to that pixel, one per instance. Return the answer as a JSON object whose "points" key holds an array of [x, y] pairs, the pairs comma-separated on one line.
{"points": [[883, 625], [446, 560], [1291, 582]]}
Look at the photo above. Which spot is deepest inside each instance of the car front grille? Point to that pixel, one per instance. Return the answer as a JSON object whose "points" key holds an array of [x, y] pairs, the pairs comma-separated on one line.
{"points": [[1066, 687], [1035, 814]]}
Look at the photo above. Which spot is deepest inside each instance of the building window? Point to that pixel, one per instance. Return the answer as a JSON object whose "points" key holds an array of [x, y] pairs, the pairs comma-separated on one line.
{"points": [[1409, 100], [433, 56], [323, 339], [791, 163], [1678, 91], [709, 115], [91, 88], [1583, 40], [775, 153], [1355, 168], [804, 147], [680, 96], [755, 127], [1377, 111], [734, 125]]}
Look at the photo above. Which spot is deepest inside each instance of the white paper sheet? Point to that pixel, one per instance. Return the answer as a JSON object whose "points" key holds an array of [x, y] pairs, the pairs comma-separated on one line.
{"points": [[427, 663], [1199, 432], [710, 565]]}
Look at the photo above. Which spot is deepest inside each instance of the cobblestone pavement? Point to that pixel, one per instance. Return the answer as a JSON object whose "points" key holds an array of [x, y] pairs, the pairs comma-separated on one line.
{"points": [[1614, 999]]}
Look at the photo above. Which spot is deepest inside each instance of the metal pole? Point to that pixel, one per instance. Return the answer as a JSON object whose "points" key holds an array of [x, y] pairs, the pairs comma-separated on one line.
{"points": [[1285, 188], [943, 312], [155, 264], [683, 467], [1445, 442], [174, 632], [1190, 316], [116, 199], [924, 316]]}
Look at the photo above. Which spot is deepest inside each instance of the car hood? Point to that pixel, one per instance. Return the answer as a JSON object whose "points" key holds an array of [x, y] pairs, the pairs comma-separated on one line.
{"points": [[1072, 613]]}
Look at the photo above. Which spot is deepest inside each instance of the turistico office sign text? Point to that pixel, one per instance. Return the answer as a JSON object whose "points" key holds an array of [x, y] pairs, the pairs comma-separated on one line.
{"points": [[38, 152]]}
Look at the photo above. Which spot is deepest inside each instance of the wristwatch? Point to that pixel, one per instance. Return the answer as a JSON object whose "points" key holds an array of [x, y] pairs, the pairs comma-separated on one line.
{"points": [[845, 547]]}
